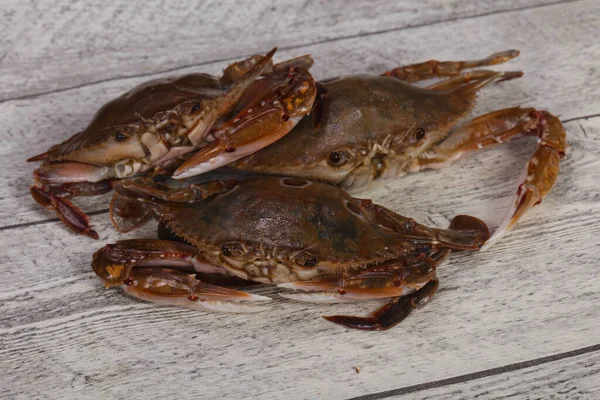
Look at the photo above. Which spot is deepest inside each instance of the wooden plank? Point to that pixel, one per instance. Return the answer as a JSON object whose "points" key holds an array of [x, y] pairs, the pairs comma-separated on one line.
{"points": [[535, 293], [62, 43], [558, 76], [575, 377]]}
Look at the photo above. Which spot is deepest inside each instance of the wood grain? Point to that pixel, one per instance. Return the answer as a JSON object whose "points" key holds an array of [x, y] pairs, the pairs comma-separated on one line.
{"points": [[58, 44], [572, 377], [535, 293], [531, 297], [557, 79]]}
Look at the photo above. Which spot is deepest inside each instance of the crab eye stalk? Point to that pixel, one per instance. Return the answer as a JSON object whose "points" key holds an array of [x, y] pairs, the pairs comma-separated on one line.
{"points": [[337, 158]]}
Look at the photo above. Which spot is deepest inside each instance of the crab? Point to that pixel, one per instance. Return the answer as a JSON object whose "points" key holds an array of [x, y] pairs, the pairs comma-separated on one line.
{"points": [[360, 129], [207, 121], [311, 237]]}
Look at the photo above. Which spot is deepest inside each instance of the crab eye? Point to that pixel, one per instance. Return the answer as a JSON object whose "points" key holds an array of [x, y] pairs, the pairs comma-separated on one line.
{"points": [[232, 249], [305, 259], [337, 158], [419, 133], [120, 136], [195, 107]]}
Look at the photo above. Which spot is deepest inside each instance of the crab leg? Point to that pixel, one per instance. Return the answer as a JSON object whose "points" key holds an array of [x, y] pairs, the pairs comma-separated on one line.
{"points": [[443, 69], [391, 313], [145, 189], [287, 98], [465, 233], [304, 62], [159, 271], [131, 205], [126, 213], [539, 173], [411, 286], [238, 69], [53, 198], [481, 77], [67, 212], [55, 182]]}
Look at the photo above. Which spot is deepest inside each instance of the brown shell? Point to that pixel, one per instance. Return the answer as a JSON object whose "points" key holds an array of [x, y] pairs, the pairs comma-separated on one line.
{"points": [[290, 218], [141, 103]]}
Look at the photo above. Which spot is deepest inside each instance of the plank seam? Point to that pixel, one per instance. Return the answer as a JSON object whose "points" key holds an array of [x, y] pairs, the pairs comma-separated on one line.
{"points": [[298, 46], [49, 220], [586, 117], [106, 210], [478, 375]]}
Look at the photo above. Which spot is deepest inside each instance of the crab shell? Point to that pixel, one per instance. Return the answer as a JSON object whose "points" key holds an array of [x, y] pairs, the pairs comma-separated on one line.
{"points": [[283, 229], [134, 132]]}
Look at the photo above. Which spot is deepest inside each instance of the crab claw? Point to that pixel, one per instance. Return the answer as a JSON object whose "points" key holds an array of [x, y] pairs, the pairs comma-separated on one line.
{"points": [[165, 277], [288, 97], [71, 173], [195, 295], [69, 214], [55, 181], [539, 174]]}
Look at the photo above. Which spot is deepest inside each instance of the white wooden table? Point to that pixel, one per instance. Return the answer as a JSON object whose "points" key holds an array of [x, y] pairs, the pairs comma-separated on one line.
{"points": [[520, 320]]}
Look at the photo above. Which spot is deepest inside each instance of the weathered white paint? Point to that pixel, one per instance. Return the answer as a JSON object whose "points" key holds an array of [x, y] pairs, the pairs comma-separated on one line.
{"points": [[66, 43], [535, 294], [575, 377]]}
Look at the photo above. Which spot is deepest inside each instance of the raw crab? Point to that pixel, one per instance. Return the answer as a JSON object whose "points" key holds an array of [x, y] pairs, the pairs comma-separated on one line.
{"points": [[361, 129], [299, 234], [215, 120]]}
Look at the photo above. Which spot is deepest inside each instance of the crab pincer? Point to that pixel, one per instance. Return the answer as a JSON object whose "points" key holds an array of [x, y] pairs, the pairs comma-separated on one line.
{"points": [[139, 267], [279, 102]]}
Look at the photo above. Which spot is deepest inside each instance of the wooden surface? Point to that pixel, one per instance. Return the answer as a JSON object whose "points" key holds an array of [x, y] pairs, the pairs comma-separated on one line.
{"points": [[521, 320]]}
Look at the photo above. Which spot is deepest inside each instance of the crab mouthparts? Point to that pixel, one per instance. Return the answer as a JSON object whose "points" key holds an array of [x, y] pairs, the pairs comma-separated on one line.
{"points": [[72, 173]]}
